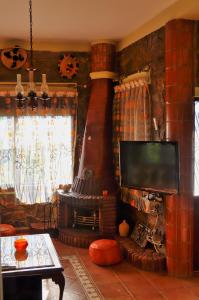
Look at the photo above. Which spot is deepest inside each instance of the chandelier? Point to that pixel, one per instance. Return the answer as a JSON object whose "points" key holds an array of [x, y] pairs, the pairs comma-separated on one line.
{"points": [[32, 99]]}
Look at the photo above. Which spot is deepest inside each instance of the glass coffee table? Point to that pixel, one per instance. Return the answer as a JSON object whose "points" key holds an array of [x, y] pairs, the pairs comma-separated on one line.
{"points": [[40, 258]]}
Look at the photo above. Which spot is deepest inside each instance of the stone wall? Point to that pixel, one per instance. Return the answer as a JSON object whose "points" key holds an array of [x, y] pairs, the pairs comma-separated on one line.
{"points": [[148, 52], [20, 215]]}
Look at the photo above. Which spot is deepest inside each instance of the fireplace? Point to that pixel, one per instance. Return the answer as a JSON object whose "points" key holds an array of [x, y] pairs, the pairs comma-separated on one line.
{"points": [[87, 213], [77, 224]]}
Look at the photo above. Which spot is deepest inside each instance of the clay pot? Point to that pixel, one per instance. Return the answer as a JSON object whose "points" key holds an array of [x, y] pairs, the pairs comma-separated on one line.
{"points": [[21, 244], [105, 193], [124, 229]]}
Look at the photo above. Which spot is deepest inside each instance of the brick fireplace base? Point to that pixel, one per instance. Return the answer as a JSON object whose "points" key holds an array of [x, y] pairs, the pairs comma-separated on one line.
{"points": [[81, 237], [145, 259]]}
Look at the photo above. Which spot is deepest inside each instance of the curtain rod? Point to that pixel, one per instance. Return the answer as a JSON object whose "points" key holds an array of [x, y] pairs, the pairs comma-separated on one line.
{"points": [[56, 84], [139, 75]]}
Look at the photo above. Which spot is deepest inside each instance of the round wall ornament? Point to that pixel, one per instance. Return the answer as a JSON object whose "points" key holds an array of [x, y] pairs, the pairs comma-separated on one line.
{"points": [[13, 58], [68, 66]]}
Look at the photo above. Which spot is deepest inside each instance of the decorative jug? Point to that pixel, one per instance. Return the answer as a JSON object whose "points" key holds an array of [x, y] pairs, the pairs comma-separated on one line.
{"points": [[124, 229]]}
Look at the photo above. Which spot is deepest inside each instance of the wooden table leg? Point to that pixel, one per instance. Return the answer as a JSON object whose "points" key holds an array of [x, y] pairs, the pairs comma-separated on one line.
{"points": [[60, 280]]}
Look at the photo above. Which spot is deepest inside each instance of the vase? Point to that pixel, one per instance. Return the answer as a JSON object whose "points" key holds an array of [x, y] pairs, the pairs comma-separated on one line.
{"points": [[124, 229]]}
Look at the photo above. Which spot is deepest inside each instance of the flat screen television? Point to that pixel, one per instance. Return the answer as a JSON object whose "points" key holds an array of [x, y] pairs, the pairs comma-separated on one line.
{"points": [[150, 165]]}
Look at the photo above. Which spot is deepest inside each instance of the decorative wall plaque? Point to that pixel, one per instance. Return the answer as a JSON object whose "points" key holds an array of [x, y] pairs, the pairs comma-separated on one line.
{"points": [[68, 66], [13, 58]]}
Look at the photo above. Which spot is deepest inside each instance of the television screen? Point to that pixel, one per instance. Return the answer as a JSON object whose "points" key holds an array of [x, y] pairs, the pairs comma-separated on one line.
{"points": [[150, 165]]}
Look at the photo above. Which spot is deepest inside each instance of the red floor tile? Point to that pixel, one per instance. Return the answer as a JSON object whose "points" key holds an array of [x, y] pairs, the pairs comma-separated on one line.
{"points": [[123, 281], [113, 291], [180, 294]]}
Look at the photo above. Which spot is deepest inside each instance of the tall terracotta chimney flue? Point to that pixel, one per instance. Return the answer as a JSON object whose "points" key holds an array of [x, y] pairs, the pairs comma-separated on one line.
{"points": [[96, 163]]}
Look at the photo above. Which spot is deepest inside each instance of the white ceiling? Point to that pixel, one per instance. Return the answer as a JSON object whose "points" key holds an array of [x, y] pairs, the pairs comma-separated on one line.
{"points": [[76, 21]]}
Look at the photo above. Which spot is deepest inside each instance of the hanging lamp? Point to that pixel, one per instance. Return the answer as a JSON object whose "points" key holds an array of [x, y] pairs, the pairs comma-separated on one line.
{"points": [[32, 99]]}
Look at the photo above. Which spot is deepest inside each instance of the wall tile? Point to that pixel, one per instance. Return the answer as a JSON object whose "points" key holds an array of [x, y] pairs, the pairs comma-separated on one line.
{"points": [[179, 35]]}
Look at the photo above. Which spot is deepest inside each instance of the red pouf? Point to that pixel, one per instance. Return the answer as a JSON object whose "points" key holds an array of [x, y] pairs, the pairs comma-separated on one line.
{"points": [[6, 230], [105, 252]]}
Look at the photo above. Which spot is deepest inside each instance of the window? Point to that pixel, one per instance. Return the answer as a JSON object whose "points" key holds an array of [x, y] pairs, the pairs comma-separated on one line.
{"points": [[196, 150], [35, 155]]}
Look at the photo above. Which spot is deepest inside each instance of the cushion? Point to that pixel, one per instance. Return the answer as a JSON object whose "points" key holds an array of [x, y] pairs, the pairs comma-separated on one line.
{"points": [[6, 230], [105, 252]]}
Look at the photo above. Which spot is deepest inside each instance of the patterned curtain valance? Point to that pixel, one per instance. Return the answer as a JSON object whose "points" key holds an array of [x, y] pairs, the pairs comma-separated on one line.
{"points": [[61, 103]]}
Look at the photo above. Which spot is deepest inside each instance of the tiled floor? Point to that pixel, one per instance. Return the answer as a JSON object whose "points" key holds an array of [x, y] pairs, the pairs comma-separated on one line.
{"points": [[123, 281]]}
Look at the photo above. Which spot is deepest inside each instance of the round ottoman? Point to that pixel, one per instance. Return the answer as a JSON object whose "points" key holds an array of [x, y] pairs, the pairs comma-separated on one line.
{"points": [[105, 252], [6, 230]]}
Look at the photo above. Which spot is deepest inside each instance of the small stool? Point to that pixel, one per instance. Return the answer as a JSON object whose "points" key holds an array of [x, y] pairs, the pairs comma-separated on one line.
{"points": [[105, 252], [6, 230]]}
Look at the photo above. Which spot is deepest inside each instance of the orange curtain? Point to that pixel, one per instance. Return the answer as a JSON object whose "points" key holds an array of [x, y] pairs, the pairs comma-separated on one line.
{"points": [[131, 121], [135, 111]]}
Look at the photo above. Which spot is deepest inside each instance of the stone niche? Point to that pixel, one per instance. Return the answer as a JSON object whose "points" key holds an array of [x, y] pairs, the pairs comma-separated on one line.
{"points": [[145, 245]]}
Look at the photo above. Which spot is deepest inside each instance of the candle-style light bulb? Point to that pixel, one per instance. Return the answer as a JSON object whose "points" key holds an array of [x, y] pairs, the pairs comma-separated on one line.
{"points": [[44, 92], [19, 90], [44, 86], [31, 83], [32, 96]]}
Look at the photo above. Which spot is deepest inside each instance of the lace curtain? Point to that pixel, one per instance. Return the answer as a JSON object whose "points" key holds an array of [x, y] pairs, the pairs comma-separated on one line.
{"points": [[131, 118], [36, 149]]}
